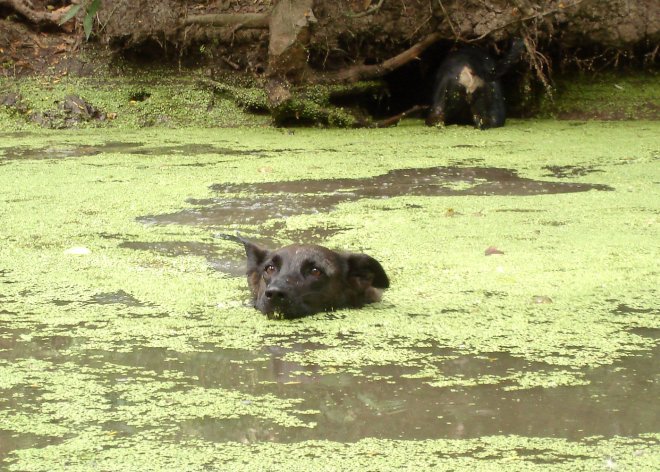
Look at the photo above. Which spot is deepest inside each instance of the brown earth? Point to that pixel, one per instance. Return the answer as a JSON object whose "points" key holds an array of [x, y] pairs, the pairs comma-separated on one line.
{"points": [[285, 42], [341, 33]]}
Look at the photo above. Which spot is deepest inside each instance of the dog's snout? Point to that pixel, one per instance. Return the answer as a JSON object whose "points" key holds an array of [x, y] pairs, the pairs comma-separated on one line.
{"points": [[275, 294]]}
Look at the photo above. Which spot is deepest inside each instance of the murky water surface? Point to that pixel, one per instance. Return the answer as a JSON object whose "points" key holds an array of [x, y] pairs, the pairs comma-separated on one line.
{"points": [[618, 400], [139, 149], [533, 319], [255, 204]]}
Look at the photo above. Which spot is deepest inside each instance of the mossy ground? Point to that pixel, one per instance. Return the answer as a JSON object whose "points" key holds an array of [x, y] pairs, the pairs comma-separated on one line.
{"points": [[605, 96], [67, 316], [165, 99], [159, 98]]}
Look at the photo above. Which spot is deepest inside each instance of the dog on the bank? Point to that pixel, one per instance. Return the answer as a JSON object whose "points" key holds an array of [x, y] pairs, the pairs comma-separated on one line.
{"points": [[467, 88], [302, 279]]}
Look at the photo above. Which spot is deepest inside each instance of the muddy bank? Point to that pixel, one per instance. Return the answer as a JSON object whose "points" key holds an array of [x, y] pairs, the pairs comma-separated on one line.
{"points": [[152, 101]]}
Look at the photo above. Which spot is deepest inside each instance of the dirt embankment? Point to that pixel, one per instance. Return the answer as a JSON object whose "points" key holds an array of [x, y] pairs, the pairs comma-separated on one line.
{"points": [[237, 34], [285, 47]]}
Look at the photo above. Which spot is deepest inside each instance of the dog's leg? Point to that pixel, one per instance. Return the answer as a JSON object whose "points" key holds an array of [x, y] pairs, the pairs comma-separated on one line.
{"points": [[437, 113]]}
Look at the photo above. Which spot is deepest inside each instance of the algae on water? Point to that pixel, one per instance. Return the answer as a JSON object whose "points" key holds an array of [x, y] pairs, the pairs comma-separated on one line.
{"points": [[115, 358]]}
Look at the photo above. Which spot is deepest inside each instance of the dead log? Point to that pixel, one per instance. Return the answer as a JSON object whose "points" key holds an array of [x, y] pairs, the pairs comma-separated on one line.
{"points": [[287, 56]]}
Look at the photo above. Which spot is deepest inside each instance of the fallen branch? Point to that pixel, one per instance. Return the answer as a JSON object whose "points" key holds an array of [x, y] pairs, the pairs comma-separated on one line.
{"points": [[366, 72]]}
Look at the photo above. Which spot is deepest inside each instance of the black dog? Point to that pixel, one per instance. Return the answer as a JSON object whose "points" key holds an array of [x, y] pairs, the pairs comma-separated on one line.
{"points": [[467, 88], [302, 279]]}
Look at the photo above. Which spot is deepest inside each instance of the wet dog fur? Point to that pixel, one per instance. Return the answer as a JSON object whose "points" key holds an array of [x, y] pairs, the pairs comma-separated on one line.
{"points": [[302, 279], [467, 88]]}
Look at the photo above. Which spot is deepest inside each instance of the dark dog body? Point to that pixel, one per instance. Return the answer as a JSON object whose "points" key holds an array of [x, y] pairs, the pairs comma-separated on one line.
{"points": [[467, 88], [302, 279]]}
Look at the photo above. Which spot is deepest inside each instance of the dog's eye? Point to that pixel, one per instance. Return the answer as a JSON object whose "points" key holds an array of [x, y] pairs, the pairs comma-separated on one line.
{"points": [[316, 272], [269, 269]]}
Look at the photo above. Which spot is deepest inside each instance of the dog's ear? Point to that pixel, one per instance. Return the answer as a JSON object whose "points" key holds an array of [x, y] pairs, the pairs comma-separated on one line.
{"points": [[365, 272], [255, 254], [255, 257]]}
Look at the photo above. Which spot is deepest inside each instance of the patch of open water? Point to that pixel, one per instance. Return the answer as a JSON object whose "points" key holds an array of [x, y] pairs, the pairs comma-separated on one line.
{"points": [[242, 205], [255, 203], [64, 151]]}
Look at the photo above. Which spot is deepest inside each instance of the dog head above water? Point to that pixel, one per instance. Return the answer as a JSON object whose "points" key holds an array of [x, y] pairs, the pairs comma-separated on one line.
{"points": [[302, 279]]}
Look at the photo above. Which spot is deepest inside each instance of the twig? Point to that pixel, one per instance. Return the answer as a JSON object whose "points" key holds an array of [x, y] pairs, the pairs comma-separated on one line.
{"points": [[369, 11], [108, 18], [394, 120], [233, 65], [451, 25], [412, 35]]}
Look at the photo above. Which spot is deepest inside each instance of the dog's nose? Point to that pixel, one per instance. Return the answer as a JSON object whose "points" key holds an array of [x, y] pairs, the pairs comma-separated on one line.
{"points": [[275, 294]]}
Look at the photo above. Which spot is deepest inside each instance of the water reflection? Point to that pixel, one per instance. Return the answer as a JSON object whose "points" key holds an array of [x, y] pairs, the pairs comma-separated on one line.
{"points": [[381, 403], [355, 407]]}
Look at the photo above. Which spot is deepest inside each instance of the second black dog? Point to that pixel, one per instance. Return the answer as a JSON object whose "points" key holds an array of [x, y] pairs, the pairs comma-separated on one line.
{"points": [[301, 279], [467, 88]]}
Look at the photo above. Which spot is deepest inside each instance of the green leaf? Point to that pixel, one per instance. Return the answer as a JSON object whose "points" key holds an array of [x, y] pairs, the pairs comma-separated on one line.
{"points": [[88, 22], [93, 7], [70, 14], [87, 25]]}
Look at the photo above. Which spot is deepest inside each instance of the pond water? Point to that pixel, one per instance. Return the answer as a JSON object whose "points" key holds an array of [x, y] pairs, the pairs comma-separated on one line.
{"points": [[379, 402], [241, 204], [520, 332]]}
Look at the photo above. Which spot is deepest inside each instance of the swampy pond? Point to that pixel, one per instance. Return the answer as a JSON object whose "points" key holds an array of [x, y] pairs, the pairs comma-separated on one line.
{"points": [[520, 331]]}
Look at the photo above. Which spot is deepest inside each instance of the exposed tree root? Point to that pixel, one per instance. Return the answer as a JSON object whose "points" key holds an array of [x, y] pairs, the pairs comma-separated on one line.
{"points": [[369, 11], [367, 72], [25, 9], [238, 20], [538, 61]]}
